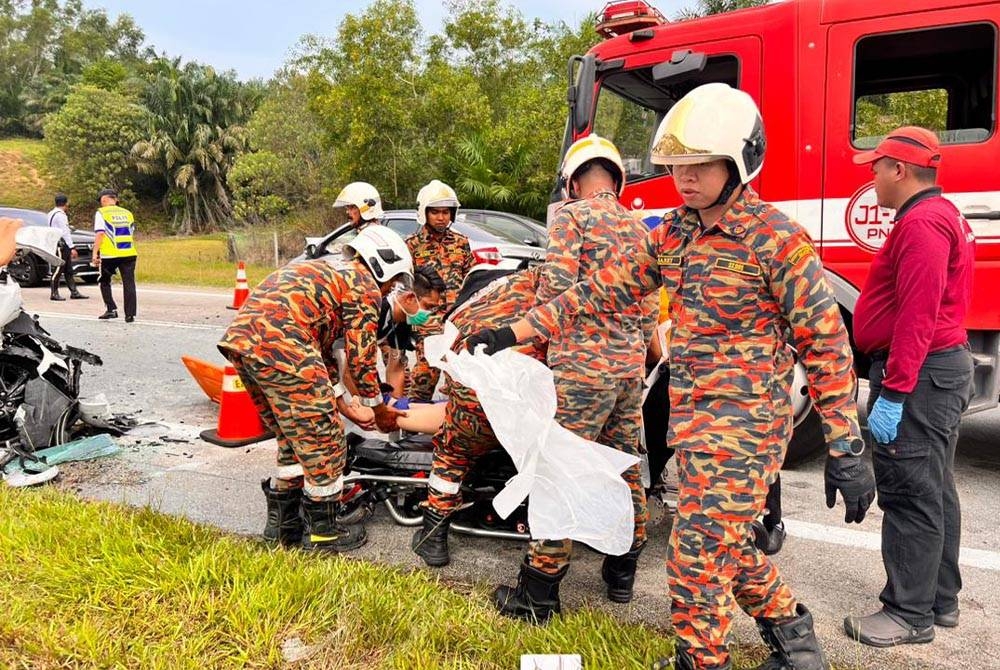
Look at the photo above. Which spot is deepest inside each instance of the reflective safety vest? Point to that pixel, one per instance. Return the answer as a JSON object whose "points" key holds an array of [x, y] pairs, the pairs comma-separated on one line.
{"points": [[118, 227]]}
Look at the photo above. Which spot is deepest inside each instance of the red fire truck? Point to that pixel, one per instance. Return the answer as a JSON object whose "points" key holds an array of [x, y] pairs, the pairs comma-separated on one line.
{"points": [[831, 77]]}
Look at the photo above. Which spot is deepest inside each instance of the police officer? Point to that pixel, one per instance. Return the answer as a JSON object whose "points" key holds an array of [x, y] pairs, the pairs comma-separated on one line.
{"points": [[596, 360], [363, 203], [59, 220], [910, 320], [281, 344], [114, 251], [438, 245], [745, 281]]}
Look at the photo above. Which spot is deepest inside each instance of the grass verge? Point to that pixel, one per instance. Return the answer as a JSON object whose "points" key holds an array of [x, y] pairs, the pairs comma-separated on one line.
{"points": [[191, 261], [99, 585], [22, 181]]}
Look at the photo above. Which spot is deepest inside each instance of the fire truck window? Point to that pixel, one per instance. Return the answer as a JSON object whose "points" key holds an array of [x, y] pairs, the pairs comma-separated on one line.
{"points": [[939, 78], [631, 127], [630, 106]]}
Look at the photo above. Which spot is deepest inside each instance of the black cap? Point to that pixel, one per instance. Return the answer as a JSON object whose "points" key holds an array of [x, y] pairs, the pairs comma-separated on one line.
{"points": [[107, 191], [61, 199]]}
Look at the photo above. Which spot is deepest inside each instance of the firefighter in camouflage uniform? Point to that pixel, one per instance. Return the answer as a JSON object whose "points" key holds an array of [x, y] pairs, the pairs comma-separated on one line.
{"points": [[363, 203], [597, 362], [436, 244], [466, 434], [744, 282], [281, 344]]}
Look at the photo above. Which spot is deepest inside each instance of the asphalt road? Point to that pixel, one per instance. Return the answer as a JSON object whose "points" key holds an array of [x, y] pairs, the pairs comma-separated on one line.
{"points": [[832, 568]]}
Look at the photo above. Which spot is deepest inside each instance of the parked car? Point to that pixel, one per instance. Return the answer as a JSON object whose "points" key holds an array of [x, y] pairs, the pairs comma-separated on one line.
{"points": [[30, 270], [496, 238]]}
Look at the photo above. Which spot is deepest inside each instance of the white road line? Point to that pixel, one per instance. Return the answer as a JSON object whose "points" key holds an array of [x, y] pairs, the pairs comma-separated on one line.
{"points": [[140, 322], [973, 558], [203, 294], [166, 291]]}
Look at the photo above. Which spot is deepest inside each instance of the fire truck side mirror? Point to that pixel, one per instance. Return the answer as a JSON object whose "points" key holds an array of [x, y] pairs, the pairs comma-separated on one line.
{"points": [[680, 63], [580, 93]]}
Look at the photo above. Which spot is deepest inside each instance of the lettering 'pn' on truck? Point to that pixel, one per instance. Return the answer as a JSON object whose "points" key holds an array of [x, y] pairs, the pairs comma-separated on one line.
{"points": [[831, 77]]}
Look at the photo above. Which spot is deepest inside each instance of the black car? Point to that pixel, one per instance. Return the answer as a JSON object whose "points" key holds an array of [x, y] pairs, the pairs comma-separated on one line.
{"points": [[30, 270]]}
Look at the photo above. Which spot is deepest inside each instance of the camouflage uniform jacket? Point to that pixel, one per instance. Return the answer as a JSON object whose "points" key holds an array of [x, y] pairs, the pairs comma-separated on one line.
{"points": [[293, 318], [586, 236], [740, 293], [449, 253], [500, 303]]}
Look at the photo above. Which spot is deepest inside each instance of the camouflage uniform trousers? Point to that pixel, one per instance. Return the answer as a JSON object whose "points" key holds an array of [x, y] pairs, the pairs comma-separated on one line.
{"points": [[423, 378], [712, 562], [461, 440], [607, 411], [303, 416]]}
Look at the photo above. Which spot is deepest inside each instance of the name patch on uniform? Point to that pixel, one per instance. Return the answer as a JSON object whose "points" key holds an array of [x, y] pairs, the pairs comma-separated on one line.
{"points": [[740, 267], [798, 255], [665, 261]]}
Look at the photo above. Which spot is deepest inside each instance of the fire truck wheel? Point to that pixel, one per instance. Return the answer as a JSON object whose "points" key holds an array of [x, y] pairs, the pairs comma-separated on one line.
{"points": [[807, 440]]}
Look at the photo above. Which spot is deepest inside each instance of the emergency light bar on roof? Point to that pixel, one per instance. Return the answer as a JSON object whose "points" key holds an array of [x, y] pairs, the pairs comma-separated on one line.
{"points": [[621, 18]]}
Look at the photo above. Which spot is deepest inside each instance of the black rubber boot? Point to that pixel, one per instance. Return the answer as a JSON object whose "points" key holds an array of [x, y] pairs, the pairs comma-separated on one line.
{"points": [[284, 523], [682, 660], [55, 296], [618, 572], [431, 542], [793, 643], [321, 531], [535, 598], [768, 540]]}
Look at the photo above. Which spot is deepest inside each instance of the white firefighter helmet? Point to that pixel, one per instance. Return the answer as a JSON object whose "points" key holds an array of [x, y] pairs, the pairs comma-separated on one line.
{"points": [[364, 196], [384, 252], [586, 149], [712, 122], [436, 194]]}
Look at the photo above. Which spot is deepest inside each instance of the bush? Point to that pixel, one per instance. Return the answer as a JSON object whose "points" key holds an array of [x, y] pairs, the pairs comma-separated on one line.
{"points": [[89, 141]]}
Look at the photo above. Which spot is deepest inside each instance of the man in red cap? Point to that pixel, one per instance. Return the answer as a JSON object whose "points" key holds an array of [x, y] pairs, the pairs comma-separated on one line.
{"points": [[909, 319]]}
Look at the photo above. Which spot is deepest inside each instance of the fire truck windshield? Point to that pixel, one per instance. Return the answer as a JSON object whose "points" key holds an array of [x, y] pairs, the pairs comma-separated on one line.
{"points": [[630, 105]]}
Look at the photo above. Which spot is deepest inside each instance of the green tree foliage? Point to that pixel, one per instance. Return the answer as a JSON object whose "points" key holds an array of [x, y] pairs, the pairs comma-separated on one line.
{"points": [[195, 133], [876, 115], [90, 139], [390, 117], [709, 7], [290, 159], [45, 45], [481, 105], [256, 180]]}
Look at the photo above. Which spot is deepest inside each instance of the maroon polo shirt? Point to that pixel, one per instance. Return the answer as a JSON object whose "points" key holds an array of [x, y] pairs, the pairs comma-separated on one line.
{"points": [[918, 290]]}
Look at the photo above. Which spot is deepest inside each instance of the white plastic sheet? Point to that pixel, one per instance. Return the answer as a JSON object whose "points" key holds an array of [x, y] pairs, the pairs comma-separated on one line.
{"points": [[40, 240], [10, 301], [574, 486]]}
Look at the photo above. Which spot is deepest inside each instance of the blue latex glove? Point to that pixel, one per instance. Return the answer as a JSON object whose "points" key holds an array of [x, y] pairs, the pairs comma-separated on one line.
{"points": [[884, 420]]}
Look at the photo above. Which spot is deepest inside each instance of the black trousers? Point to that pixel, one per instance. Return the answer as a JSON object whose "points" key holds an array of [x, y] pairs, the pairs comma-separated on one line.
{"points": [[66, 269], [922, 524], [655, 418], [125, 267]]}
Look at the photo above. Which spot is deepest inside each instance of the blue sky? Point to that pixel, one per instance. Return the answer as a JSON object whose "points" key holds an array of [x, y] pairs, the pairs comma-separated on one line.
{"points": [[254, 37]]}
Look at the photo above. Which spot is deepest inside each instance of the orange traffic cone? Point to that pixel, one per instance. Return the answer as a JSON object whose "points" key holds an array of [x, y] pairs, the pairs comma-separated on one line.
{"points": [[208, 375], [242, 290], [239, 422]]}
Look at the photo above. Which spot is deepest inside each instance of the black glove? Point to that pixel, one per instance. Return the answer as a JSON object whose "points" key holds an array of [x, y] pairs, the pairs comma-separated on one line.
{"points": [[854, 478], [495, 339]]}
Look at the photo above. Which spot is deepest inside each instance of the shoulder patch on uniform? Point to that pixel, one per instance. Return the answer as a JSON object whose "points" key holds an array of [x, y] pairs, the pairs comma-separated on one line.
{"points": [[799, 254], [737, 266], [668, 261]]}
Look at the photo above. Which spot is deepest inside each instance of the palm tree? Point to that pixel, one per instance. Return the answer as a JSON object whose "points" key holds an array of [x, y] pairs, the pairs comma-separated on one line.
{"points": [[489, 176], [195, 134]]}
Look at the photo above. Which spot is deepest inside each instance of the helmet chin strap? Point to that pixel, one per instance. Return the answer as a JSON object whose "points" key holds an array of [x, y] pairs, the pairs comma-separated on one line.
{"points": [[731, 185]]}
